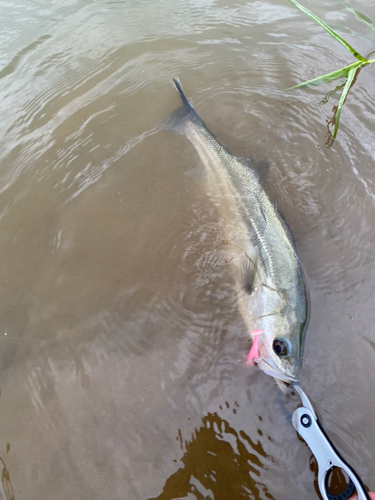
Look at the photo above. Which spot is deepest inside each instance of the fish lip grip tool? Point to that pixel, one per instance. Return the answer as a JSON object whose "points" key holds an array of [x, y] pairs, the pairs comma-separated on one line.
{"points": [[306, 423]]}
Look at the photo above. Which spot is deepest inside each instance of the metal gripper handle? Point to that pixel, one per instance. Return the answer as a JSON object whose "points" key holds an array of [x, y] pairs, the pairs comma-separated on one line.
{"points": [[308, 427]]}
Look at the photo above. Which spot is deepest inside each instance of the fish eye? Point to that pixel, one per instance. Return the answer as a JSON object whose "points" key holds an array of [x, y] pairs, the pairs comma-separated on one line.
{"points": [[280, 347]]}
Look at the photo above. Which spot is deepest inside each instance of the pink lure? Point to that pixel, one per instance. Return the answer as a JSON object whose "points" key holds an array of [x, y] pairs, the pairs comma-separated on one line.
{"points": [[254, 351]]}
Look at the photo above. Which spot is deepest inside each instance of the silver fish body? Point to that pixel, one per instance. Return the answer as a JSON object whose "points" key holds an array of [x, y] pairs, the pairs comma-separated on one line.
{"points": [[268, 277]]}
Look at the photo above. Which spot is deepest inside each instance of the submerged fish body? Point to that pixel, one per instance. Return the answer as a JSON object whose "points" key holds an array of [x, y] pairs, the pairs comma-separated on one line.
{"points": [[268, 277]]}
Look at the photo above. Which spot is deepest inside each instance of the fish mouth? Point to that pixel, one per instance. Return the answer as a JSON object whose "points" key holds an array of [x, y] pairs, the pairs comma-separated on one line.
{"points": [[270, 369]]}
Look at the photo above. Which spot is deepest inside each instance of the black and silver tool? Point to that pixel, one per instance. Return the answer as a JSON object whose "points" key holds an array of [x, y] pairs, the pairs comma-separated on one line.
{"points": [[306, 423]]}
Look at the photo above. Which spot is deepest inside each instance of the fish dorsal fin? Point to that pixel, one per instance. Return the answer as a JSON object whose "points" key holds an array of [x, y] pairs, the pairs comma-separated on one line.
{"points": [[247, 270], [261, 168], [287, 229]]}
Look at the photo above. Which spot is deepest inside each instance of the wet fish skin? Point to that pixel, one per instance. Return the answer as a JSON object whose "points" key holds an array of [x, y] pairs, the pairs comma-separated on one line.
{"points": [[267, 271]]}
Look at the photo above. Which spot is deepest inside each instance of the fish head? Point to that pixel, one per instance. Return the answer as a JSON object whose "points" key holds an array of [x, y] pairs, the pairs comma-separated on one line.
{"points": [[278, 319], [280, 346]]}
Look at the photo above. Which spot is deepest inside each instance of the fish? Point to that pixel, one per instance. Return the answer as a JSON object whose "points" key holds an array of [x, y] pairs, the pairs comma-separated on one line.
{"points": [[266, 269]]}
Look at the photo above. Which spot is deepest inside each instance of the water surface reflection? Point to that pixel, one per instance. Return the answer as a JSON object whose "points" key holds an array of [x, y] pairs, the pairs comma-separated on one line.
{"points": [[218, 463], [118, 318]]}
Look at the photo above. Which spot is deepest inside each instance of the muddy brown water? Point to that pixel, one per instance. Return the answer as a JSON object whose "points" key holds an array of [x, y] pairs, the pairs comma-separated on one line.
{"points": [[122, 371]]}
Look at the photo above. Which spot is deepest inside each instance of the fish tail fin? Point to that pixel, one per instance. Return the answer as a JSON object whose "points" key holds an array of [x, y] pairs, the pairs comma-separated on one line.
{"points": [[180, 118], [184, 99]]}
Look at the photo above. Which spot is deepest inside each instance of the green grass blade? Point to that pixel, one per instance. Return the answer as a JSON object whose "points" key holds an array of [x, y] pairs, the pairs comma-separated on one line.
{"points": [[330, 76], [348, 84], [360, 15], [329, 30]]}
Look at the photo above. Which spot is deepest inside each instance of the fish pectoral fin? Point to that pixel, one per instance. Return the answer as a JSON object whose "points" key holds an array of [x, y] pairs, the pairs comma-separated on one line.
{"points": [[261, 168], [197, 173], [247, 270]]}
